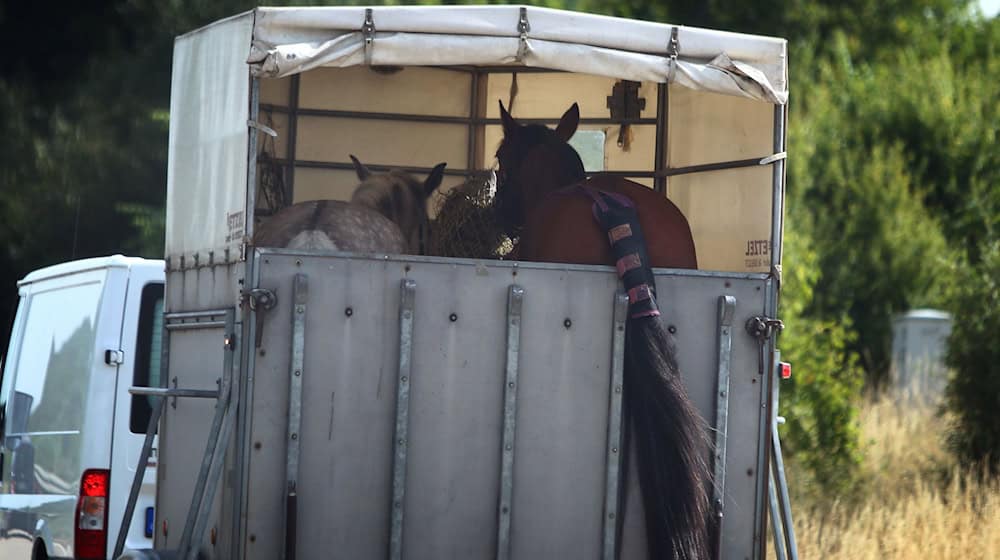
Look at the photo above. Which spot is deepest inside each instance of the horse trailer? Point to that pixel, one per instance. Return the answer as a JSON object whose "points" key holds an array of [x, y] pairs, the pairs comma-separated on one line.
{"points": [[333, 404]]}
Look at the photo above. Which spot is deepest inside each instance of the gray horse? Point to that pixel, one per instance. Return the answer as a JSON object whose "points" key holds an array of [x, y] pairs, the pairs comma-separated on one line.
{"points": [[387, 214]]}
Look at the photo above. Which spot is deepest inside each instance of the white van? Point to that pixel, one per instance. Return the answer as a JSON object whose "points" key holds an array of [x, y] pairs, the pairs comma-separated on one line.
{"points": [[70, 432]]}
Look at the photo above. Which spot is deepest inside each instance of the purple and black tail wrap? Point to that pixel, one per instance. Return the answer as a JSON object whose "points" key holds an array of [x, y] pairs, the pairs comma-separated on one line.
{"points": [[670, 436]]}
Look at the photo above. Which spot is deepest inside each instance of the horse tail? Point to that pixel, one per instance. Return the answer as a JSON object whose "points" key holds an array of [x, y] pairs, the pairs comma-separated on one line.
{"points": [[671, 442]]}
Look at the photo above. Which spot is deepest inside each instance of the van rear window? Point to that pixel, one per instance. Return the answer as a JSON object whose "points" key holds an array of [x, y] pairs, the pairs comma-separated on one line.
{"points": [[148, 346], [55, 360]]}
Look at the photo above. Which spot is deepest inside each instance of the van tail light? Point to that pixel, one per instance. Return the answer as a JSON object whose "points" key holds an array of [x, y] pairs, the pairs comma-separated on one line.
{"points": [[90, 535]]}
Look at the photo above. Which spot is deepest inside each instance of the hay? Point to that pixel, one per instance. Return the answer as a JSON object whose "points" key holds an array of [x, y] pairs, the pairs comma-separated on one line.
{"points": [[466, 224]]}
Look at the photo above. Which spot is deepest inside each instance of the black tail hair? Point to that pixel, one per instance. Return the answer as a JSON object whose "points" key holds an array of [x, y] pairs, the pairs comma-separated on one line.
{"points": [[671, 442]]}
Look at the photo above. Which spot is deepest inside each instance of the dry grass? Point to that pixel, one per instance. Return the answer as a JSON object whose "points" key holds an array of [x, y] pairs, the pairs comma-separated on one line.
{"points": [[912, 501]]}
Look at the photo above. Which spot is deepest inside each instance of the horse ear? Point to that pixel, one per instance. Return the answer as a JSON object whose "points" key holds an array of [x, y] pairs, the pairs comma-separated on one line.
{"points": [[509, 124], [360, 169], [568, 123], [434, 179]]}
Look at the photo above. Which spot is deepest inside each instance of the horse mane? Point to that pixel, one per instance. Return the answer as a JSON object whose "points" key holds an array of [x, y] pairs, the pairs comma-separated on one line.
{"points": [[570, 165], [567, 170]]}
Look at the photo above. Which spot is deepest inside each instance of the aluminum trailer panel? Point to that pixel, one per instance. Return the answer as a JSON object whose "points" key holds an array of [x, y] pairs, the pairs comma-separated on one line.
{"points": [[350, 380]]}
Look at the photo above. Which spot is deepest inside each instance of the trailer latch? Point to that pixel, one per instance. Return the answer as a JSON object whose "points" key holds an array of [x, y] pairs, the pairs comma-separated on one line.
{"points": [[259, 300], [762, 328], [523, 27], [368, 32]]}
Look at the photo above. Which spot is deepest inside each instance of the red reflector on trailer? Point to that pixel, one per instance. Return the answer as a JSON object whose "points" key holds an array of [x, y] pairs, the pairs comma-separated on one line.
{"points": [[90, 535], [786, 370]]}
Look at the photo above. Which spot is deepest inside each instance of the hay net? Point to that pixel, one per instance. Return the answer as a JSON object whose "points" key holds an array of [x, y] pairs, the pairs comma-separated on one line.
{"points": [[466, 224]]}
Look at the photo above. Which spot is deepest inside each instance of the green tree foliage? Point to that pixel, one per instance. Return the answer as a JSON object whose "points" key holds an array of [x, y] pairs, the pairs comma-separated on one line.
{"points": [[893, 178], [973, 394], [819, 401], [893, 156], [83, 138], [877, 244], [893, 170]]}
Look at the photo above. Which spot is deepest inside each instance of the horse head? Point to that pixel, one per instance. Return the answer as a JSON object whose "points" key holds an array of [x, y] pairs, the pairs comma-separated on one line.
{"points": [[534, 161], [400, 197]]}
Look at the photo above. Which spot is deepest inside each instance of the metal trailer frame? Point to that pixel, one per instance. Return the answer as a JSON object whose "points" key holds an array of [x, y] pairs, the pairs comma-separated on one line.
{"points": [[660, 174]]}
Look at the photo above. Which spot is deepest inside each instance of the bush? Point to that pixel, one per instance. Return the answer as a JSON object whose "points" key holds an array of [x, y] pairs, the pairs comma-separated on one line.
{"points": [[820, 401], [875, 240], [973, 393]]}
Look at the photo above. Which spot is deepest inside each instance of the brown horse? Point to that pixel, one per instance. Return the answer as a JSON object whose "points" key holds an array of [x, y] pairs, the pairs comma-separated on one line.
{"points": [[559, 228], [544, 195], [387, 214]]}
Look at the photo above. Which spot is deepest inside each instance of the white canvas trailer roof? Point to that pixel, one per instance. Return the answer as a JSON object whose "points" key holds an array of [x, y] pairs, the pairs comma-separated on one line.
{"points": [[291, 40]]}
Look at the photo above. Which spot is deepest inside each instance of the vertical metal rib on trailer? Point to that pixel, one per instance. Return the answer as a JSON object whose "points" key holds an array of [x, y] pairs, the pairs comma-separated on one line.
{"points": [[727, 307], [515, 299], [300, 297], [407, 297], [612, 488]]}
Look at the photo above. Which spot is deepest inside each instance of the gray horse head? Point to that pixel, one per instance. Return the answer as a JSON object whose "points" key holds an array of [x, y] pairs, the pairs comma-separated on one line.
{"points": [[397, 195]]}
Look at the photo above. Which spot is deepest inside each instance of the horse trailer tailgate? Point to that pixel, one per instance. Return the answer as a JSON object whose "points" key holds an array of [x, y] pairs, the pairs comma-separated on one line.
{"points": [[350, 373]]}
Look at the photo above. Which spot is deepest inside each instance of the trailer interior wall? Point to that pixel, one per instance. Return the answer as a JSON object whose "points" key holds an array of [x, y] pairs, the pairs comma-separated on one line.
{"points": [[417, 117]]}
